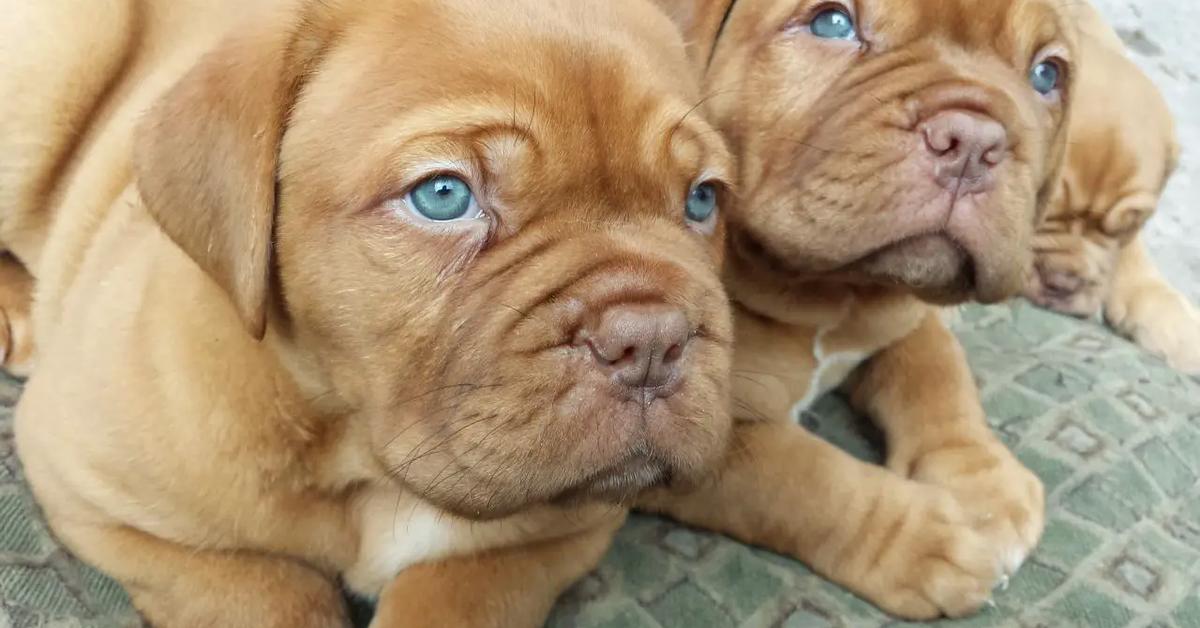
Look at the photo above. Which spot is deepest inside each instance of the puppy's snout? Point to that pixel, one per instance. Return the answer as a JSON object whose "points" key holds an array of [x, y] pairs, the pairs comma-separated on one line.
{"points": [[642, 346], [965, 147]]}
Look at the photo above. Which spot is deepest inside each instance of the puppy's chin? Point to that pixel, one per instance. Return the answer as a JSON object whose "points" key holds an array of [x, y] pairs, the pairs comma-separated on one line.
{"points": [[620, 483], [934, 267]]}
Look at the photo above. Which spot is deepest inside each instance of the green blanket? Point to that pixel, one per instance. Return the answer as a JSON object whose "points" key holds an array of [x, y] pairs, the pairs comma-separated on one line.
{"points": [[1114, 434]]}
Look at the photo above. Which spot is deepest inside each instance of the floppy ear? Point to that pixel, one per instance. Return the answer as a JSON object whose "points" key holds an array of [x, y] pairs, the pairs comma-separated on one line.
{"points": [[701, 22], [206, 159]]}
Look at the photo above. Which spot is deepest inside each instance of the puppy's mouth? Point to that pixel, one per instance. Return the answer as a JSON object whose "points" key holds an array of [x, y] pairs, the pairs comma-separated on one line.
{"points": [[1063, 292], [935, 266]]}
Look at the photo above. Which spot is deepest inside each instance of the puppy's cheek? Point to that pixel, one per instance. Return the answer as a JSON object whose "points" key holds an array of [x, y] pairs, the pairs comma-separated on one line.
{"points": [[703, 416]]}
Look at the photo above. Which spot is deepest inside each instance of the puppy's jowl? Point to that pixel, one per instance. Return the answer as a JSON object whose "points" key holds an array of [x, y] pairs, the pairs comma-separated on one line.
{"points": [[326, 290]]}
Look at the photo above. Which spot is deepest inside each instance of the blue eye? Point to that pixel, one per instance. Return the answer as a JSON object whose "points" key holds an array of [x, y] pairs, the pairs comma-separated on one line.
{"points": [[1045, 77], [834, 24], [701, 203], [442, 198]]}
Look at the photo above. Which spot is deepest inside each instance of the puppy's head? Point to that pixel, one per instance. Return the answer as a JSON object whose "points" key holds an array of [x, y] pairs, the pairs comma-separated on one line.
{"points": [[494, 228], [1121, 150], [888, 142]]}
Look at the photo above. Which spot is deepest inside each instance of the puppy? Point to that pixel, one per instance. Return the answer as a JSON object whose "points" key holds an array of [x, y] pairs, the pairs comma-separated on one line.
{"points": [[892, 155], [1121, 151], [326, 290]]}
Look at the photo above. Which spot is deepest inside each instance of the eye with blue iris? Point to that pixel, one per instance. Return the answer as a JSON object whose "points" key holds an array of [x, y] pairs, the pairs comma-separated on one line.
{"points": [[834, 23], [701, 203], [443, 198], [1046, 76]]}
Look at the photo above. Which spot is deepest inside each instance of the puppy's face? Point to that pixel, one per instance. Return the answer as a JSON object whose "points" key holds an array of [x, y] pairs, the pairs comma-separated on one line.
{"points": [[498, 233], [1110, 187], [1121, 152], [892, 142]]}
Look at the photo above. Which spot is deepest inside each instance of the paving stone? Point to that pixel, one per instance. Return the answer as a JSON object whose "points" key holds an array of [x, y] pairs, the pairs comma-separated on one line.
{"points": [[1135, 577], [1093, 609], [1185, 443], [1012, 403], [1092, 502], [1066, 545], [642, 568], [1056, 381], [21, 533], [1187, 614], [1102, 413], [1052, 472], [1077, 439], [742, 583], [804, 618], [38, 589], [1032, 583], [1169, 472], [687, 606], [686, 543]]}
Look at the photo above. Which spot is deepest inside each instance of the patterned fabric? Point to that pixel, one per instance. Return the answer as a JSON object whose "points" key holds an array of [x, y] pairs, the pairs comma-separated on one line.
{"points": [[1114, 434]]}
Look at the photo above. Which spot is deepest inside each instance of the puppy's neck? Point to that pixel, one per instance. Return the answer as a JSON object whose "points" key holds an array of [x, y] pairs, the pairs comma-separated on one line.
{"points": [[335, 442]]}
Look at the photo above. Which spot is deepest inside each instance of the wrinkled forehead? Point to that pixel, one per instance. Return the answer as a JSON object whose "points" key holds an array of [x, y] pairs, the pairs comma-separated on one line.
{"points": [[1006, 27], [514, 96], [568, 91]]}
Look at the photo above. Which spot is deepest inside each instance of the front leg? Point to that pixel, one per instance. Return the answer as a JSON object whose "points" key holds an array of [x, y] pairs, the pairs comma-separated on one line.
{"points": [[905, 546], [508, 588], [921, 393], [1144, 307]]}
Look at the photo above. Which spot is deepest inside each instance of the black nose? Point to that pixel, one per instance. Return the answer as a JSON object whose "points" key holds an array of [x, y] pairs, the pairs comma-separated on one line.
{"points": [[642, 345]]}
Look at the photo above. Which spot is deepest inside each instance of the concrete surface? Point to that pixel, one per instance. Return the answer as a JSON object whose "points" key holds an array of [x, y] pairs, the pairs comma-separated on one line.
{"points": [[1164, 39]]}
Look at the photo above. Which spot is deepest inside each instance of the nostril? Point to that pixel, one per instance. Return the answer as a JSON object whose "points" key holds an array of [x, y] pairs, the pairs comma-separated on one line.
{"points": [[611, 355], [994, 155], [673, 354], [937, 142]]}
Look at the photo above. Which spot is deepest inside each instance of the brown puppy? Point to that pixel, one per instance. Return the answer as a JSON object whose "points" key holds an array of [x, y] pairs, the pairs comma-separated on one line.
{"points": [[330, 289], [892, 154], [1121, 151]]}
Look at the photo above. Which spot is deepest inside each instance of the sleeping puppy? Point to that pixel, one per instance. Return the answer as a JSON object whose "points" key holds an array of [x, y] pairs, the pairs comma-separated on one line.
{"points": [[1121, 151], [892, 155], [326, 290]]}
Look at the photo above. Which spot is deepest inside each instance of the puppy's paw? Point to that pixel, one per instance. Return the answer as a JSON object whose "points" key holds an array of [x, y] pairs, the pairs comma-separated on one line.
{"points": [[921, 557], [1004, 501], [1161, 321], [1179, 346]]}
